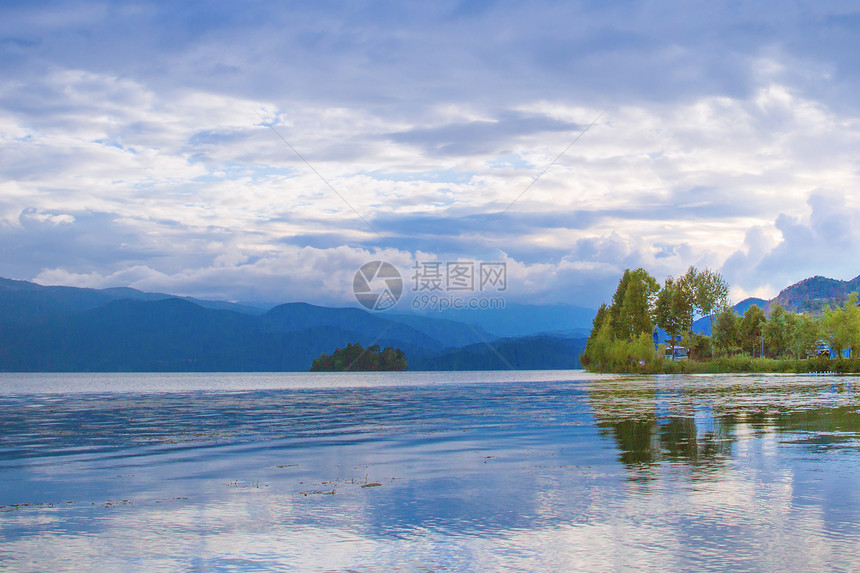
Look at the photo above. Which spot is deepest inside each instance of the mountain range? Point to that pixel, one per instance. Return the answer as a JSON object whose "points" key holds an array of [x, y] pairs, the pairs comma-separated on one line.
{"points": [[813, 295], [55, 328], [59, 328], [816, 293]]}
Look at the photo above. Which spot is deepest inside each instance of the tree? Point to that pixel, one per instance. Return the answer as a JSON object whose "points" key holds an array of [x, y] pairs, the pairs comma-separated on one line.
{"points": [[777, 331], [618, 324], [620, 337], [852, 312], [633, 304], [674, 308], [724, 331], [709, 291], [842, 327], [600, 341], [695, 291], [750, 330], [355, 358], [638, 306], [712, 291], [600, 318], [804, 337], [597, 338]]}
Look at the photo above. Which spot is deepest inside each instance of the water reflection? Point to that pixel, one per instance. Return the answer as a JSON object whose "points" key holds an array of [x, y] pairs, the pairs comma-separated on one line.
{"points": [[584, 473], [697, 420]]}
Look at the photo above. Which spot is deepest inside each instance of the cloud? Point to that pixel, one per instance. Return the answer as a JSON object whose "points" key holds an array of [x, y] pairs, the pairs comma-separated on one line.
{"points": [[819, 243], [410, 56], [307, 274], [325, 276], [53, 219], [166, 190], [130, 139], [481, 137]]}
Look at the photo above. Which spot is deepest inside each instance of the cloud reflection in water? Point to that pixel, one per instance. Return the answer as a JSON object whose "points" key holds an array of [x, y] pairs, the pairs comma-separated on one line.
{"points": [[560, 472]]}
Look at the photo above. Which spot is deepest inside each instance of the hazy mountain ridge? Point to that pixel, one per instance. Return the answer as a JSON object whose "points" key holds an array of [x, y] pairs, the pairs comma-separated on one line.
{"points": [[176, 335], [23, 300], [58, 328], [122, 329], [523, 353], [294, 316], [524, 320]]}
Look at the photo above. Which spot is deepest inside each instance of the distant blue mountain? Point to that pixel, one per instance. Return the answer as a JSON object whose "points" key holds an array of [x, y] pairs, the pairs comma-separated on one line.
{"points": [[73, 329], [25, 300], [450, 332], [742, 306], [517, 320], [523, 353], [295, 316], [703, 324]]}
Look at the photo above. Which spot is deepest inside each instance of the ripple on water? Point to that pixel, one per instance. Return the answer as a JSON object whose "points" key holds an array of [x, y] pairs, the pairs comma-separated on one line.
{"points": [[553, 471]]}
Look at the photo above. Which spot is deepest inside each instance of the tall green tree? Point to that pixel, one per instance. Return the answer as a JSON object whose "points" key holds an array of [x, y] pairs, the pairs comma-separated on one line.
{"points": [[600, 318], [674, 308], [777, 331], [709, 292], [805, 333], [852, 312], [598, 338], [724, 331], [751, 330], [841, 326], [633, 304], [618, 330], [712, 292]]}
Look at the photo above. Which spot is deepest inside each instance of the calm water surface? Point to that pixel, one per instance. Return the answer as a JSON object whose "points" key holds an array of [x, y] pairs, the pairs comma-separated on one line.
{"points": [[535, 471]]}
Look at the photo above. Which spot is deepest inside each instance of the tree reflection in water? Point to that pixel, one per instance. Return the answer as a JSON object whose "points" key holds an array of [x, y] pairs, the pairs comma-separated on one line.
{"points": [[697, 420]]}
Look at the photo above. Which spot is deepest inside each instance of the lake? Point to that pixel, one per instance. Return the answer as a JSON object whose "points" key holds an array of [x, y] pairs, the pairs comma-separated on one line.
{"points": [[413, 471]]}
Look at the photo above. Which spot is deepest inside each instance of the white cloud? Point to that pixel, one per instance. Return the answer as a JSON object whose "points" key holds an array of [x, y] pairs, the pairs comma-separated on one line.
{"points": [[143, 169], [819, 242], [52, 218], [666, 187]]}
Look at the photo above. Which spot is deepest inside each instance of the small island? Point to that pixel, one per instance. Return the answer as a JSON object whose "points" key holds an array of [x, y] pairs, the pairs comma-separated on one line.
{"points": [[356, 358], [648, 329]]}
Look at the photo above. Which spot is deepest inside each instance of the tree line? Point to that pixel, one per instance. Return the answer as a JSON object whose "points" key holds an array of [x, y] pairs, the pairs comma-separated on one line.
{"points": [[783, 334], [623, 333], [356, 358]]}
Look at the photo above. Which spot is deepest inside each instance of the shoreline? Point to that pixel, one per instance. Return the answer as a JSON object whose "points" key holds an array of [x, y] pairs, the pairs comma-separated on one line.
{"points": [[742, 365]]}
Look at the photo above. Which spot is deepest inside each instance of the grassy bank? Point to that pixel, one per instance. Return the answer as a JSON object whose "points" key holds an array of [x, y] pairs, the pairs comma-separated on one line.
{"points": [[740, 364]]}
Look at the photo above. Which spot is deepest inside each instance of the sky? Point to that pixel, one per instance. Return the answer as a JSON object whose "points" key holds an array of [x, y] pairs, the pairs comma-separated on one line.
{"points": [[262, 152]]}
